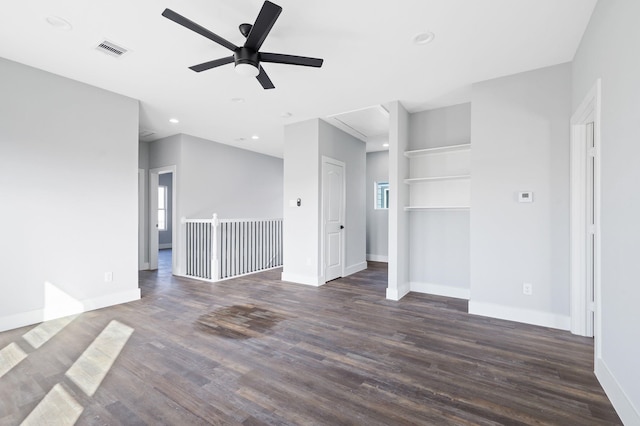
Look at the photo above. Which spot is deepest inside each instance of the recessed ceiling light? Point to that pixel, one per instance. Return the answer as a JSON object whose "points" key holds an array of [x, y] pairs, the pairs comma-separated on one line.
{"points": [[386, 145], [174, 120], [424, 38], [237, 100], [58, 23], [255, 137]]}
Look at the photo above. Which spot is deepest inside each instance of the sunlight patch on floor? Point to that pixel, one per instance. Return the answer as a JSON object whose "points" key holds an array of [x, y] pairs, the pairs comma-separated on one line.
{"points": [[45, 331], [95, 362], [10, 356], [56, 408]]}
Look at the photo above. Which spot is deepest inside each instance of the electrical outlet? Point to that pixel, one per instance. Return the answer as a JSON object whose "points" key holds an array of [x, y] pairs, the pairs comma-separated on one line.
{"points": [[527, 289], [108, 277]]}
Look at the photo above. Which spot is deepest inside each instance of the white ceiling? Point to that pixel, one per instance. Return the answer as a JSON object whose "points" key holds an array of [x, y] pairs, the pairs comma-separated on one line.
{"points": [[366, 44]]}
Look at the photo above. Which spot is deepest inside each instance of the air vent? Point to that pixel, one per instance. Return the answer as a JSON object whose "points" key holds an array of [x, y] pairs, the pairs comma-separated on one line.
{"points": [[111, 49]]}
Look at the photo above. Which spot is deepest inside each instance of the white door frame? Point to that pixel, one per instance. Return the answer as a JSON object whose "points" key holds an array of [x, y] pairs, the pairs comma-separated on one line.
{"points": [[343, 255], [153, 217], [587, 112], [142, 242]]}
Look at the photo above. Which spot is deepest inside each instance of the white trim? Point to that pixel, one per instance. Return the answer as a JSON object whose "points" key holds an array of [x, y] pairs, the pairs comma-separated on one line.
{"points": [[526, 316], [142, 242], [22, 319], [350, 270], [438, 150], [164, 246], [343, 239], [378, 258], [303, 279], [628, 413], [144, 266], [397, 293], [588, 111], [440, 290]]}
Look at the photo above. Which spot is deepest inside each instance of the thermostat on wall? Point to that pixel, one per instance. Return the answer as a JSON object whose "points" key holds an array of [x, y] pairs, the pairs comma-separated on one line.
{"points": [[525, 197]]}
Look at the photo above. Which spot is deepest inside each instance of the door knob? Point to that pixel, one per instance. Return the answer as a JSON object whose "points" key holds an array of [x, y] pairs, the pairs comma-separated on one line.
{"points": [[341, 226]]}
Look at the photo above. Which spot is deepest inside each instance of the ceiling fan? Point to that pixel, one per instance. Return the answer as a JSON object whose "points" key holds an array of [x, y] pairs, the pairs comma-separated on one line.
{"points": [[247, 58]]}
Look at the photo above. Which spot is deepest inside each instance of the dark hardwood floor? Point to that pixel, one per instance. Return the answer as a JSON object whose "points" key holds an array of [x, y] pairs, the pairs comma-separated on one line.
{"points": [[256, 350]]}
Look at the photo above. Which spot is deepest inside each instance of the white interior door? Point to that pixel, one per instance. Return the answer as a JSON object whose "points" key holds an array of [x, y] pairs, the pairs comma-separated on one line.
{"points": [[333, 218]]}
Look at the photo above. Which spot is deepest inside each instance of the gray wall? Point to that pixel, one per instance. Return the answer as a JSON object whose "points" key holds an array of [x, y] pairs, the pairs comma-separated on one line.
{"points": [[232, 182], [520, 134], [440, 127], [439, 240], [164, 237], [377, 219], [609, 49], [68, 173]]}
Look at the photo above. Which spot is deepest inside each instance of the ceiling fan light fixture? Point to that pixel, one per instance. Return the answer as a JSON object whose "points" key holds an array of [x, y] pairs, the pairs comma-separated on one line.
{"points": [[248, 70]]}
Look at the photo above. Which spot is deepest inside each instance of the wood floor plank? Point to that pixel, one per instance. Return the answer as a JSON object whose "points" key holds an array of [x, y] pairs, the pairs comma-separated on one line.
{"points": [[259, 351]]}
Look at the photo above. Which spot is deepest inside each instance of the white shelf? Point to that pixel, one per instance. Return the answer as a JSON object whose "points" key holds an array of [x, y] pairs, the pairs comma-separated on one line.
{"points": [[418, 208], [438, 150], [434, 178]]}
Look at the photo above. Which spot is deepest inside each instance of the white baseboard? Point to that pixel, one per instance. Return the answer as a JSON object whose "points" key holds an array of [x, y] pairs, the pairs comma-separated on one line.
{"points": [[397, 293], [349, 270], [22, 319], [303, 279], [440, 290], [377, 258], [144, 267], [164, 246], [629, 414], [527, 316]]}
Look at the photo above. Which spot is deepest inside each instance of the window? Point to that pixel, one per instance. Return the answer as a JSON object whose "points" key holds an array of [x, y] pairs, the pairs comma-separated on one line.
{"points": [[382, 195], [162, 208]]}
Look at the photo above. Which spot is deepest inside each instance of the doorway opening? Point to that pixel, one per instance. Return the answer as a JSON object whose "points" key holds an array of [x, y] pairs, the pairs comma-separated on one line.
{"points": [[162, 220]]}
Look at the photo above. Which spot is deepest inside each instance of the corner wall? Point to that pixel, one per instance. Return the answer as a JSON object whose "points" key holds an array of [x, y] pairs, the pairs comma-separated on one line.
{"points": [[301, 236], [520, 142], [609, 51], [398, 281], [341, 146], [304, 145], [68, 173]]}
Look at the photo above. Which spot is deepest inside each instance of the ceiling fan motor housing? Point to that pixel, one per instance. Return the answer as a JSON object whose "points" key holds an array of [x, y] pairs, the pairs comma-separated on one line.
{"points": [[245, 55]]}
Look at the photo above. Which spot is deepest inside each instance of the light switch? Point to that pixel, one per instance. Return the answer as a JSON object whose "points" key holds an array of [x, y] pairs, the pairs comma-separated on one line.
{"points": [[525, 197]]}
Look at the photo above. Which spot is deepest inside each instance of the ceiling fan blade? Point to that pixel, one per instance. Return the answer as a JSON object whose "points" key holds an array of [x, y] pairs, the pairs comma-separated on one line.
{"points": [[212, 64], [187, 23], [264, 22], [264, 79], [278, 58]]}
